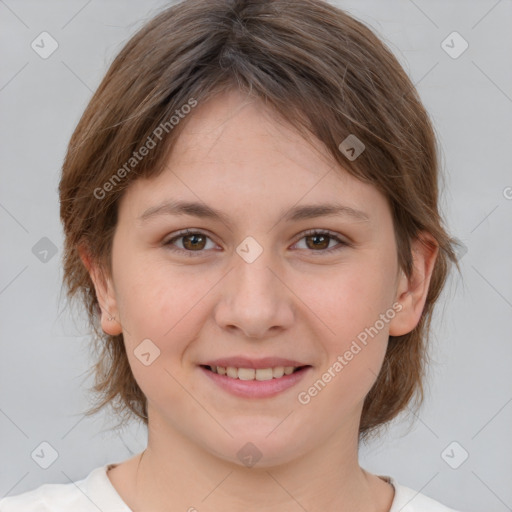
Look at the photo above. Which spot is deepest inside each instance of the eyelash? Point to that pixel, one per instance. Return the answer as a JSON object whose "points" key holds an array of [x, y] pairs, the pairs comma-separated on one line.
{"points": [[311, 232]]}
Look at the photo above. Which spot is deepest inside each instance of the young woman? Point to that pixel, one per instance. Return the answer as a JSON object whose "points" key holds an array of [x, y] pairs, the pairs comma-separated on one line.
{"points": [[250, 206]]}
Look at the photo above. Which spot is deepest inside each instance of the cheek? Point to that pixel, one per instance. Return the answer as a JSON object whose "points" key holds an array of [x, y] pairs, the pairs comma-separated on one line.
{"points": [[350, 300], [355, 306], [161, 303], [357, 310], [165, 308]]}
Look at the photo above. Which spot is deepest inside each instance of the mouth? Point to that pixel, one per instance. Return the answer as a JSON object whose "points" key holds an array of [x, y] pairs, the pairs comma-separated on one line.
{"points": [[259, 374], [270, 378]]}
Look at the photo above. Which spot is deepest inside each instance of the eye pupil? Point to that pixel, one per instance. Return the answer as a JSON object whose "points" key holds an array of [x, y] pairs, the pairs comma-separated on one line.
{"points": [[195, 243], [321, 244]]}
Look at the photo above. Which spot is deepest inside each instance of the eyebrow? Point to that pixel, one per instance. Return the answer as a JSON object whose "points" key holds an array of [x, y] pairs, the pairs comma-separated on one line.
{"points": [[296, 213]]}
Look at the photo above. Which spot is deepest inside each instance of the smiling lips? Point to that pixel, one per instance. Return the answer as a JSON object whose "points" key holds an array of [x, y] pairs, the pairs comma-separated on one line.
{"points": [[255, 383], [255, 377], [253, 373], [243, 368]]}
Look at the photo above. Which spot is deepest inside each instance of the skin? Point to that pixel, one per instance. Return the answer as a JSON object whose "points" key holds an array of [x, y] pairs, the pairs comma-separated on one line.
{"points": [[293, 301]]}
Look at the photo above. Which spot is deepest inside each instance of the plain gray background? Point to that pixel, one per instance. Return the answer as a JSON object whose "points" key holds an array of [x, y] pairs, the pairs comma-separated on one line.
{"points": [[44, 347]]}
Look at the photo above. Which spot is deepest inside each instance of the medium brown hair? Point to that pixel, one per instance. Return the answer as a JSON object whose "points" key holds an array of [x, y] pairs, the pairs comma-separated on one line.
{"points": [[319, 69]]}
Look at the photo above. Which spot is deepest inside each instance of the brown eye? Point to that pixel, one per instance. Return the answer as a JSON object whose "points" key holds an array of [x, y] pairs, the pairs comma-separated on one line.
{"points": [[189, 243], [194, 241], [318, 241]]}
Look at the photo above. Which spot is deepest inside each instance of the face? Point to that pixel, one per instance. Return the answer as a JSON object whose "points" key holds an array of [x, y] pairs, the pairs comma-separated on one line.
{"points": [[268, 283]]}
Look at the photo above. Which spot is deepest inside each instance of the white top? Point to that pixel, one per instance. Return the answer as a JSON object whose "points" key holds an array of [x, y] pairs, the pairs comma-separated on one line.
{"points": [[96, 492]]}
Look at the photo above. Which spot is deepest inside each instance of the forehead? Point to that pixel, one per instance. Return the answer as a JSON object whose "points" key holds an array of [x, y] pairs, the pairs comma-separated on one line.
{"points": [[236, 154], [236, 127]]}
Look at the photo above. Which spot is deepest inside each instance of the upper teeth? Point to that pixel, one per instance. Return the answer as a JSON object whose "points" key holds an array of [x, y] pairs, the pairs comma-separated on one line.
{"points": [[253, 374]]}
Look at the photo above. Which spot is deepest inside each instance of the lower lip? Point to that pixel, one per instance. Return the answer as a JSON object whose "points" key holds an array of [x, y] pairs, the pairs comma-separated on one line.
{"points": [[256, 388]]}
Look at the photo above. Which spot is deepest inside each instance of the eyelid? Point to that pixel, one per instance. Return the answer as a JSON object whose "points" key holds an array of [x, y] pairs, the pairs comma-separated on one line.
{"points": [[167, 242], [332, 234]]}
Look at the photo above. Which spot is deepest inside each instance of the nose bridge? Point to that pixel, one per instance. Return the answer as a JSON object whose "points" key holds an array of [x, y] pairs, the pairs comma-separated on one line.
{"points": [[255, 280], [255, 299], [253, 261]]}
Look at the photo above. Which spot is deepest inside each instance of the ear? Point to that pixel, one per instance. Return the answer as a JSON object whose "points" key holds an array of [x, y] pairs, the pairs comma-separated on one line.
{"points": [[412, 291], [105, 294]]}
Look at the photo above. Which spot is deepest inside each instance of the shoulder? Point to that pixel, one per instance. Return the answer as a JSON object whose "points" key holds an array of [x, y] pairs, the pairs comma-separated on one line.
{"points": [[409, 500], [87, 495]]}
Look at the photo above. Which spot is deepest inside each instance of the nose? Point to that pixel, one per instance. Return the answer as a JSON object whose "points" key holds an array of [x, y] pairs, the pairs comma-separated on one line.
{"points": [[255, 299]]}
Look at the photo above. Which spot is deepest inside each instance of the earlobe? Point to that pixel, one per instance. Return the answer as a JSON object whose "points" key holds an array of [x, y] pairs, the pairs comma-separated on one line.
{"points": [[412, 291], [104, 293]]}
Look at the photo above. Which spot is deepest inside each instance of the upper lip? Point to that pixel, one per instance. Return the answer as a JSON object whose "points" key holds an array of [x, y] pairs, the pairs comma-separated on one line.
{"points": [[244, 362]]}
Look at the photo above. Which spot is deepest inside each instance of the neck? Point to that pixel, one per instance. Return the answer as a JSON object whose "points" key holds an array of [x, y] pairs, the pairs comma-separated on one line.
{"points": [[174, 470]]}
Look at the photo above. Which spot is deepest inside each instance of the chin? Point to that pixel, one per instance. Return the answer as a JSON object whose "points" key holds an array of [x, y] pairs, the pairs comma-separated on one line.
{"points": [[258, 449]]}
